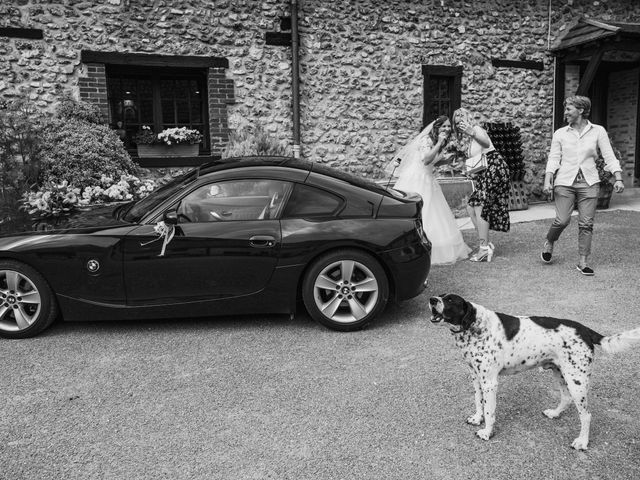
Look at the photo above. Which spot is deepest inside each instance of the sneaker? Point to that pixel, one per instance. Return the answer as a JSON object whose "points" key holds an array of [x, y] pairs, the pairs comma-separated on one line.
{"points": [[587, 271], [547, 252]]}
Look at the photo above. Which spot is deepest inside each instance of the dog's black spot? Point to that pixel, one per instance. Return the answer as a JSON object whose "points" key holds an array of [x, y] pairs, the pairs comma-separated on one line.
{"points": [[510, 324], [588, 336]]}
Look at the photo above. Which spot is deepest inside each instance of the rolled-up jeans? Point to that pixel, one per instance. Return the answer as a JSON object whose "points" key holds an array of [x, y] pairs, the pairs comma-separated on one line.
{"points": [[586, 198]]}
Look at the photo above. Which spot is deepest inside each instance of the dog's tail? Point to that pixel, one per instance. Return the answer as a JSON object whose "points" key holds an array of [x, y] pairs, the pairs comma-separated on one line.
{"points": [[620, 341]]}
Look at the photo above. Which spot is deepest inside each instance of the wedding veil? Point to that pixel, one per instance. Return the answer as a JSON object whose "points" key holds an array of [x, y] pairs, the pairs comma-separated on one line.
{"points": [[410, 155]]}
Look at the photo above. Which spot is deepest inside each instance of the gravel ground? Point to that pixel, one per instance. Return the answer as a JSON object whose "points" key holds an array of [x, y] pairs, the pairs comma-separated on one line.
{"points": [[269, 397]]}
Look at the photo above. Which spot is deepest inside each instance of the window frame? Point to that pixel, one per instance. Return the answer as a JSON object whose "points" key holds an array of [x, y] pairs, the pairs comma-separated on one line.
{"points": [[453, 75], [286, 214], [156, 75], [269, 187]]}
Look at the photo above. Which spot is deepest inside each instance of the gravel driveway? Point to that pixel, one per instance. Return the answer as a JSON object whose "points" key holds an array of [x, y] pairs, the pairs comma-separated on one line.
{"points": [[258, 398]]}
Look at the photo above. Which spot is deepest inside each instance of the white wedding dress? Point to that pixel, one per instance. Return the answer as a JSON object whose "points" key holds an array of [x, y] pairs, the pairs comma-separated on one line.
{"points": [[438, 220]]}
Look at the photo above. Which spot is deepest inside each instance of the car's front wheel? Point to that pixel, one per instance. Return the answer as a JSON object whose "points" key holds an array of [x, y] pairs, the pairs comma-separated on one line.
{"points": [[346, 289], [27, 304]]}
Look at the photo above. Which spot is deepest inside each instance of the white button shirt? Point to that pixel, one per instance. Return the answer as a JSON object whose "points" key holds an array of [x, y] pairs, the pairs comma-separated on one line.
{"points": [[572, 151]]}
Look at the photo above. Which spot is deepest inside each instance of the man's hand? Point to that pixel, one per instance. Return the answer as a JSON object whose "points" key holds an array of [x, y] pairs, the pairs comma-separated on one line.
{"points": [[618, 186], [548, 187]]}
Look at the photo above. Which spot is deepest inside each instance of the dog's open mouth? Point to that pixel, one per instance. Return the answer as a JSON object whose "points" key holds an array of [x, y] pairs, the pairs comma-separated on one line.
{"points": [[436, 317]]}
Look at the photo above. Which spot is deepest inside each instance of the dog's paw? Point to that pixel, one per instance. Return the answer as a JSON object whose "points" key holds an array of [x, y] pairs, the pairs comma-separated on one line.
{"points": [[475, 419], [580, 443], [484, 434], [551, 413]]}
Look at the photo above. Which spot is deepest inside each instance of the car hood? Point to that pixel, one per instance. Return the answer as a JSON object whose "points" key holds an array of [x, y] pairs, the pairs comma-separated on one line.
{"points": [[84, 220]]}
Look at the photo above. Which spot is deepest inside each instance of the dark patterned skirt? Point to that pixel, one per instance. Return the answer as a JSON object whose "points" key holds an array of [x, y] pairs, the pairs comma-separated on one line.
{"points": [[492, 193]]}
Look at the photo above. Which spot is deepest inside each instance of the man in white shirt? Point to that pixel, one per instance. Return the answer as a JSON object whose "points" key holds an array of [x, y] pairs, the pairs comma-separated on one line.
{"points": [[572, 159]]}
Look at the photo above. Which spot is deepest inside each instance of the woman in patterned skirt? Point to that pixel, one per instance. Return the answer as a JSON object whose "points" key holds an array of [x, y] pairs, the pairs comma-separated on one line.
{"points": [[488, 206]]}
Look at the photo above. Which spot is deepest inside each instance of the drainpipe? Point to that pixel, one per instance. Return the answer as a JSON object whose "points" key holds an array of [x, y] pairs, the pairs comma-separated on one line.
{"points": [[295, 86]]}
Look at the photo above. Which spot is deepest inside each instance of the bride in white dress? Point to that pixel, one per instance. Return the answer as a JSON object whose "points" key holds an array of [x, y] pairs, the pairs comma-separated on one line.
{"points": [[415, 174]]}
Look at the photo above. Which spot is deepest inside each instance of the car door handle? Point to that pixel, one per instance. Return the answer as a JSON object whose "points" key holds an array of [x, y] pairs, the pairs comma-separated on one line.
{"points": [[262, 241]]}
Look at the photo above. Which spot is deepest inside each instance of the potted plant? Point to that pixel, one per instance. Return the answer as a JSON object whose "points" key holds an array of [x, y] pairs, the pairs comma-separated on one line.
{"points": [[606, 179], [170, 142]]}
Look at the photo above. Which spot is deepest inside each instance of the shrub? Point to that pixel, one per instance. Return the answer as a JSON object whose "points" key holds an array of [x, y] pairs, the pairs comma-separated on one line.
{"points": [[249, 140], [70, 109], [19, 145], [80, 152]]}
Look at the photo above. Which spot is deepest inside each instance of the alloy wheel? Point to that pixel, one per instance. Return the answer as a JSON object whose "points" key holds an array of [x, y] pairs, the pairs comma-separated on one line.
{"points": [[20, 301], [346, 291]]}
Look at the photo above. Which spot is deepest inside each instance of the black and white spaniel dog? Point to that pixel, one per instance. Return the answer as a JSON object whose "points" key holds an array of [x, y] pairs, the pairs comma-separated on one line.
{"points": [[495, 343]]}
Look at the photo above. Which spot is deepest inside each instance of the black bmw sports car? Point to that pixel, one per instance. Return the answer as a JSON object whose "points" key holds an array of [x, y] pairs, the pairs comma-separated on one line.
{"points": [[236, 236]]}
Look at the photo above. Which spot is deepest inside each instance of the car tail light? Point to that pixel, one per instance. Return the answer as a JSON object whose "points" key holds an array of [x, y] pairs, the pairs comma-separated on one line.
{"points": [[420, 230]]}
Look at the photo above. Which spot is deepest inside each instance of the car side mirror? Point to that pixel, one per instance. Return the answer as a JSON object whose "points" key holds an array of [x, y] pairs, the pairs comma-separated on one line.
{"points": [[170, 217]]}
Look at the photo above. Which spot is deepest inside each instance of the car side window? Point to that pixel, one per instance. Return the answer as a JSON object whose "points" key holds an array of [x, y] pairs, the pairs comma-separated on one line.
{"points": [[232, 200], [306, 201]]}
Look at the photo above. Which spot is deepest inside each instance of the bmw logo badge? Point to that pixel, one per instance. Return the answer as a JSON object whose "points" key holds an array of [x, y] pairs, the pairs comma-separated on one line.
{"points": [[93, 265]]}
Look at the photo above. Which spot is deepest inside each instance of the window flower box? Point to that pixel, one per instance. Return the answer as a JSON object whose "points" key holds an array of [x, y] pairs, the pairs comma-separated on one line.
{"points": [[175, 150], [170, 142]]}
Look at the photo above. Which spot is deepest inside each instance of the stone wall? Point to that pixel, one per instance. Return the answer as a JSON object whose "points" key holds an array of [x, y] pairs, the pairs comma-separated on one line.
{"points": [[360, 61]]}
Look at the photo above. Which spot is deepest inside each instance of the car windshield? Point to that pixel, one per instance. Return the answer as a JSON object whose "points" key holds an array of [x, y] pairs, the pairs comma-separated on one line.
{"points": [[139, 209]]}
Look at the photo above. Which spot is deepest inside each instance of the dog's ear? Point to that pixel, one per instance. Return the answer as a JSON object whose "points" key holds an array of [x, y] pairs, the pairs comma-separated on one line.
{"points": [[469, 316]]}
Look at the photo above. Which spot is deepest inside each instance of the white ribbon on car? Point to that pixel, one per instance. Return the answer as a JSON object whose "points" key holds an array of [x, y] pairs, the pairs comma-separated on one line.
{"points": [[165, 232]]}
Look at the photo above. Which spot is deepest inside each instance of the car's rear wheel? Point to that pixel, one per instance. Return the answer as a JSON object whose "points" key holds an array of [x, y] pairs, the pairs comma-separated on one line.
{"points": [[346, 289], [27, 304]]}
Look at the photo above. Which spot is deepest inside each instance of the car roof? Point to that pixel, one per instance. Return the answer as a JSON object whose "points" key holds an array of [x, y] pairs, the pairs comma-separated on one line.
{"points": [[290, 162]]}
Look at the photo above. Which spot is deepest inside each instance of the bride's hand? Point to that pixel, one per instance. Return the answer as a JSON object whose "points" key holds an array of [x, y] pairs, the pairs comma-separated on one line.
{"points": [[442, 137]]}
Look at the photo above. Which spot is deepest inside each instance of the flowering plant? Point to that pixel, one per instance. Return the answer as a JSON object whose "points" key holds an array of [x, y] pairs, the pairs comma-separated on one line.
{"points": [[168, 136], [52, 200], [127, 187], [145, 136], [180, 135], [453, 165]]}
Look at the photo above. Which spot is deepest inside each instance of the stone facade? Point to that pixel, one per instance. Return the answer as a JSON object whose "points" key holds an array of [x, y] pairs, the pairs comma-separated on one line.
{"points": [[362, 91]]}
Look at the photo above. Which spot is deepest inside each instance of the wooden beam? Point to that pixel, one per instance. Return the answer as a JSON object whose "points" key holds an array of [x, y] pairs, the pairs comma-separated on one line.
{"points": [[280, 39], [585, 51], [443, 70], [527, 64], [31, 33], [590, 72], [558, 96], [145, 60]]}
